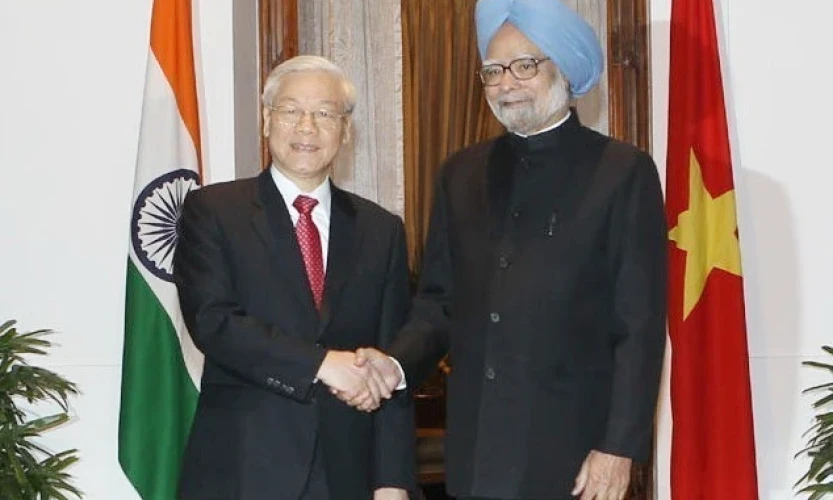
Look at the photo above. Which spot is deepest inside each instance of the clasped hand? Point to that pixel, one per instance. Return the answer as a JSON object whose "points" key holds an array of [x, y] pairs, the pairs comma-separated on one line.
{"points": [[362, 379]]}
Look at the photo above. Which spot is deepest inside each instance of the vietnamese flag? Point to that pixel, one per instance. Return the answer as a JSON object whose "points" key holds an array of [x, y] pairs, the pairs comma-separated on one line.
{"points": [[713, 444]]}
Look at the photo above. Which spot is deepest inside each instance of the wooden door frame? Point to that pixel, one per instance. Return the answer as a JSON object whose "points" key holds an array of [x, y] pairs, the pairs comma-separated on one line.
{"points": [[278, 41], [629, 71]]}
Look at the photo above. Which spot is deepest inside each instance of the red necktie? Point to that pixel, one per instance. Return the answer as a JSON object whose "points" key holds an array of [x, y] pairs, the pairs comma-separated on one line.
{"points": [[310, 242]]}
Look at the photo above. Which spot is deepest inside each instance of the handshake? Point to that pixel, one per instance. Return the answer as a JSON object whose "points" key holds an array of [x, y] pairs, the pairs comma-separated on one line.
{"points": [[362, 378]]}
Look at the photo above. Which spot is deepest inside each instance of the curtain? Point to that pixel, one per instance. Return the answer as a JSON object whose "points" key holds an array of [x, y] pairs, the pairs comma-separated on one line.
{"points": [[443, 105], [364, 38]]}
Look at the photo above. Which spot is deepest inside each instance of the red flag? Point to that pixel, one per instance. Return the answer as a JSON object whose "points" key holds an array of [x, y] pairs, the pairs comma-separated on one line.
{"points": [[713, 444]]}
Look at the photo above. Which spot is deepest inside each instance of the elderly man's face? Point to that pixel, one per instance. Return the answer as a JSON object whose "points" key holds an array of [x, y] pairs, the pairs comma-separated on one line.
{"points": [[305, 150], [524, 106]]}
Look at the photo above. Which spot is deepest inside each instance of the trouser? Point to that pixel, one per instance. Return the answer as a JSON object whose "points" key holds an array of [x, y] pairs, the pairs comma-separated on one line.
{"points": [[316, 487]]}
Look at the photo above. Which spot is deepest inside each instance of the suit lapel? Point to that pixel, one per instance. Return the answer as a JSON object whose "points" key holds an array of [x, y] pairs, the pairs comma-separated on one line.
{"points": [[272, 222], [341, 254]]}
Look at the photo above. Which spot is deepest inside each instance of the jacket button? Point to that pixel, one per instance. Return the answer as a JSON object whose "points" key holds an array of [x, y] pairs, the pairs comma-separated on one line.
{"points": [[503, 262], [494, 317], [490, 373]]}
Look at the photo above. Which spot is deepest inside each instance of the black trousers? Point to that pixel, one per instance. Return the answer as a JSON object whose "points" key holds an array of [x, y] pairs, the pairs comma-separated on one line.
{"points": [[316, 488]]}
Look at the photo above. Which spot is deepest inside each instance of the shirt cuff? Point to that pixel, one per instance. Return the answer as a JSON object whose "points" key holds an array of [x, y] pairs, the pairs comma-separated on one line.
{"points": [[403, 384]]}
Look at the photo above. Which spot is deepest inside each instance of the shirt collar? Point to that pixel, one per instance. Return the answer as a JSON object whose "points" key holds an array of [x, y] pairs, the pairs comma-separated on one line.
{"points": [[290, 191], [551, 127]]}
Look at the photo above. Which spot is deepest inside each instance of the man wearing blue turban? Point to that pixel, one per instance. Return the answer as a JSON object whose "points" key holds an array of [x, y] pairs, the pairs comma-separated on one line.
{"points": [[555, 29], [544, 277]]}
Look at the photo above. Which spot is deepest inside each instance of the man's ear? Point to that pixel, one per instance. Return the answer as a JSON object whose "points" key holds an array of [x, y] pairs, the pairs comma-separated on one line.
{"points": [[347, 133], [267, 121]]}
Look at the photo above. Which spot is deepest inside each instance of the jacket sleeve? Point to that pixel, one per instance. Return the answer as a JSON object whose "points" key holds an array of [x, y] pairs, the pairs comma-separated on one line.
{"points": [[255, 351], [394, 454], [424, 340], [638, 246]]}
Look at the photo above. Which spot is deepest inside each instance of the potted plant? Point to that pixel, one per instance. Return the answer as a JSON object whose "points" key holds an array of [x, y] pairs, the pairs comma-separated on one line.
{"points": [[27, 469], [819, 476]]}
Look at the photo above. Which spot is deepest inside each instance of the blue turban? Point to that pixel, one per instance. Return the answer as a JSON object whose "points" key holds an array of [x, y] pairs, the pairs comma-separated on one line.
{"points": [[555, 28]]}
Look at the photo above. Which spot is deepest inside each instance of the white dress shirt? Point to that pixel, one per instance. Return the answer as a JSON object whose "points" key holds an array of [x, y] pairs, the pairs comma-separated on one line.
{"points": [[320, 214]]}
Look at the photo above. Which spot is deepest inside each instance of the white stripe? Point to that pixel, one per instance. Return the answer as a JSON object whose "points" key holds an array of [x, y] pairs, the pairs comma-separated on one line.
{"points": [[164, 146], [662, 456], [164, 142]]}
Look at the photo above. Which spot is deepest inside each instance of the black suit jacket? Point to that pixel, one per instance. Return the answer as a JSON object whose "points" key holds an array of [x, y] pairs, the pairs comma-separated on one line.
{"points": [[247, 303], [544, 274]]}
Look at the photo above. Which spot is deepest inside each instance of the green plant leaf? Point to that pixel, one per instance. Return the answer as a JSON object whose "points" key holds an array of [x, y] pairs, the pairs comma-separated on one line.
{"points": [[823, 401], [819, 444], [27, 469], [7, 325], [816, 364], [828, 385]]}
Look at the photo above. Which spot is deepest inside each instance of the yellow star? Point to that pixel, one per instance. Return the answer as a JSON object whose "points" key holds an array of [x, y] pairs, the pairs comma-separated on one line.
{"points": [[707, 232]]}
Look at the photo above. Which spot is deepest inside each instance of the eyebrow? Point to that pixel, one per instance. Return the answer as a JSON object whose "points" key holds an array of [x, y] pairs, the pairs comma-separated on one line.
{"points": [[519, 56], [296, 101]]}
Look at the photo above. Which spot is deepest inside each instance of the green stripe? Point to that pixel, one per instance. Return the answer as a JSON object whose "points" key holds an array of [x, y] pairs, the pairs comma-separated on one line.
{"points": [[158, 398]]}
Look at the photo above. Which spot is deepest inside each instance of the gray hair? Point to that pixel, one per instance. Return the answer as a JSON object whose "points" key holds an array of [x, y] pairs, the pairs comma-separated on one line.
{"points": [[308, 63]]}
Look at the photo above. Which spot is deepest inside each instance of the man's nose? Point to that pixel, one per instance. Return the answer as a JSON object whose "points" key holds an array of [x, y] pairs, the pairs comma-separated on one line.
{"points": [[306, 124], [507, 80]]}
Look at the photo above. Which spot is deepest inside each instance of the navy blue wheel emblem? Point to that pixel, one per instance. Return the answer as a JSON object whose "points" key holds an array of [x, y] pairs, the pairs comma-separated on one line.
{"points": [[154, 226]]}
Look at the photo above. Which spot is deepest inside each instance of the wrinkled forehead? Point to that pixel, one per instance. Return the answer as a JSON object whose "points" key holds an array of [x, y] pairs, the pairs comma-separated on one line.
{"points": [[313, 87]]}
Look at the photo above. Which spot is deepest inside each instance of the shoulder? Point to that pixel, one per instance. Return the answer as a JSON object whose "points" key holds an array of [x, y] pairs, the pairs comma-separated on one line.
{"points": [[470, 160], [618, 163], [366, 211], [225, 191], [381, 231], [222, 194], [619, 154], [475, 154], [221, 201]]}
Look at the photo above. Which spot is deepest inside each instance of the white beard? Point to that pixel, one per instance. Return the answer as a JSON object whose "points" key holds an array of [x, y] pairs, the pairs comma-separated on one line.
{"points": [[533, 117]]}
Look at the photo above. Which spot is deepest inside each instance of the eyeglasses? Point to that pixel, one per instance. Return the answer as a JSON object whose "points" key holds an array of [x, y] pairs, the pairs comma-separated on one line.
{"points": [[322, 118], [524, 68]]}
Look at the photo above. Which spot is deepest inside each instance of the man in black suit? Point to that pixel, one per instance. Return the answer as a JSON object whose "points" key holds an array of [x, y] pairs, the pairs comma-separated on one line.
{"points": [[544, 276], [280, 278]]}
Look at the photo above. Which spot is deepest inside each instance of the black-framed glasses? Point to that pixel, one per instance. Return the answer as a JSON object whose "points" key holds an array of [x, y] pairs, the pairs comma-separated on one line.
{"points": [[322, 118], [524, 68]]}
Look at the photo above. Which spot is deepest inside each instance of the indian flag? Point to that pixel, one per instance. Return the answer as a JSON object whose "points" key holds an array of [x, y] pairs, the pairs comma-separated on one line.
{"points": [[161, 367]]}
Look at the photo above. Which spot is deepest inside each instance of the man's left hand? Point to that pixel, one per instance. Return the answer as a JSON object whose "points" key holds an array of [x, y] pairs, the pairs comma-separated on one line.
{"points": [[603, 477], [390, 494], [384, 377], [382, 366]]}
